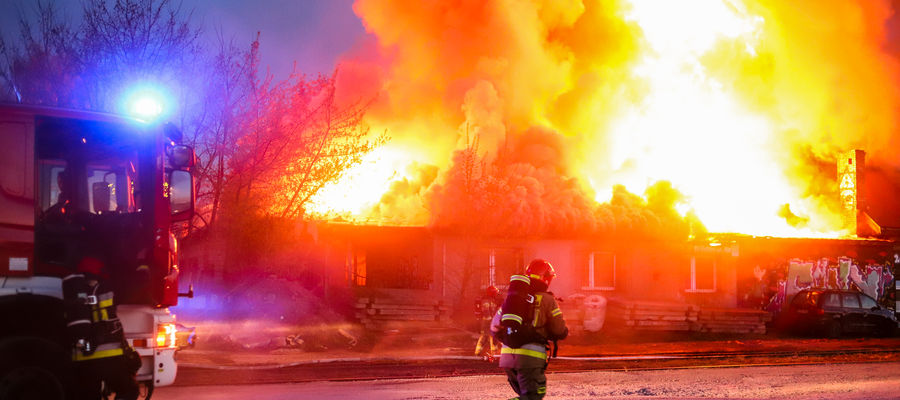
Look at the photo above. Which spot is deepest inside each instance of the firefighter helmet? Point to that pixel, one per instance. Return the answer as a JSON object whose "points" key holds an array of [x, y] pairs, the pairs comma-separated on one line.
{"points": [[541, 270], [491, 291], [91, 266]]}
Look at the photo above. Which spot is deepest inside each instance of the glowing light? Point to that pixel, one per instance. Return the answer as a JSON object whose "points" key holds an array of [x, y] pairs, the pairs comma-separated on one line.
{"points": [[146, 102], [165, 335], [690, 130], [147, 107], [362, 186]]}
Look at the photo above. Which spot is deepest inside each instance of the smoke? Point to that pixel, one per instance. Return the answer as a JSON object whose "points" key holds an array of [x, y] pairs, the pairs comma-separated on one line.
{"points": [[529, 112], [406, 200]]}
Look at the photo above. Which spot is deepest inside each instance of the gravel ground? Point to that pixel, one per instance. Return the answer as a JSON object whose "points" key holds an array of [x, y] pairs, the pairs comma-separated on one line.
{"points": [[835, 381]]}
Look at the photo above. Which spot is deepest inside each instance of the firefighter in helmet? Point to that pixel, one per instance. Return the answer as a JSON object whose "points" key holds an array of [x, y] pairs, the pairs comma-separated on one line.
{"points": [[525, 366], [100, 353], [485, 308]]}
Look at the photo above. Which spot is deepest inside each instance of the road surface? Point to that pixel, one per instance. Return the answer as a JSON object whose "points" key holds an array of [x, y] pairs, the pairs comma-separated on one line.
{"points": [[797, 382]]}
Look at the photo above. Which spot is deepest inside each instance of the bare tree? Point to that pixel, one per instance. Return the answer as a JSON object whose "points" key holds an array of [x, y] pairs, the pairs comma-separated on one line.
{"points": [[214, 126], [87, 66], [296, 138], [43, 66]]}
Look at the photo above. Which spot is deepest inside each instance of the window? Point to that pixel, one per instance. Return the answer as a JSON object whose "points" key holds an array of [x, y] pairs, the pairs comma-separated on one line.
{"points": [[503, 263], [378, 266], [87, 168], [601, 271], [799, 299], [703, 274], [832, 300], [110, 187], [813, 298], [51, 180], [867, 302], [356, 268], [850, 300]]}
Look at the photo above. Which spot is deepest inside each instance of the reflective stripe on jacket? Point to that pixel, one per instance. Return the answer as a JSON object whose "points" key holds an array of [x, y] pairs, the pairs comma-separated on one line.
{"points": [[103, 351]]}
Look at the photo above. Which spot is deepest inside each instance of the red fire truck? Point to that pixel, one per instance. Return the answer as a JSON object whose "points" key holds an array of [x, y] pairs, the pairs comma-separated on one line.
{"points": [[126, 183]]}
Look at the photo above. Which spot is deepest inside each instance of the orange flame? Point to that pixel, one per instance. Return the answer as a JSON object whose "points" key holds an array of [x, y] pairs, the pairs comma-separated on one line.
{"points": [[742, 106]]}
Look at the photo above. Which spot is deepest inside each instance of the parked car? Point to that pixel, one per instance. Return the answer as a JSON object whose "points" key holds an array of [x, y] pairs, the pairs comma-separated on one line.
{"points": [[833, 313]]}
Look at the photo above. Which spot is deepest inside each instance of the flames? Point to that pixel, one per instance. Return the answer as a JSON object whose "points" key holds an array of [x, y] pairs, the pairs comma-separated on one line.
{"points": [[741, 106]]}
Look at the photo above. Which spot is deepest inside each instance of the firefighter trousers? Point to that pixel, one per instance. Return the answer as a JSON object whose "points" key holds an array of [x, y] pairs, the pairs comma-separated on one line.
{"points": [[528, 383]]}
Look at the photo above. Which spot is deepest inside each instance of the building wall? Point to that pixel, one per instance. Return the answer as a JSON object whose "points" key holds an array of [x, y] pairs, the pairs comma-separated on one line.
{"points": [[644, 271], [712, 273]]}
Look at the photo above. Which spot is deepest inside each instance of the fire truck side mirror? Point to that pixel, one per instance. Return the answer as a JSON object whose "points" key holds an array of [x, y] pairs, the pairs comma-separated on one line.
{"points": [[181, 194], [181, 156]]}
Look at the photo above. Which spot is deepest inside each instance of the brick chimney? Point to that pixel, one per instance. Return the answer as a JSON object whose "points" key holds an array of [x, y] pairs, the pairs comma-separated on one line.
{"points": [[851, 175]]}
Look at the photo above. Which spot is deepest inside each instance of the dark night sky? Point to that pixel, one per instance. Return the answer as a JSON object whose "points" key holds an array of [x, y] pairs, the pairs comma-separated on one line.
{"points": [[312, 32]]}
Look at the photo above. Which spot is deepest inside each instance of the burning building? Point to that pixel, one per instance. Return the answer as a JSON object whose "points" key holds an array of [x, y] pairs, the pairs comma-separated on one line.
{"points": [[612, 138], [690, 152]]}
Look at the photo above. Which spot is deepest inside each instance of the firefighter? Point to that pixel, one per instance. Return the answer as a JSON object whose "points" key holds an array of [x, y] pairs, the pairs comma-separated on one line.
{"points": [[485, 308], [99, 350], [525, 366]]}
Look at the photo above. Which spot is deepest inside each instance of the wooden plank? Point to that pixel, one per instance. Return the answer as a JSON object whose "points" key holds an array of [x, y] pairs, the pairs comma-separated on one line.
{"points": [[403, 318], [381, 300], [404, 312], [656, 323], [653, 314], [401, 307]]}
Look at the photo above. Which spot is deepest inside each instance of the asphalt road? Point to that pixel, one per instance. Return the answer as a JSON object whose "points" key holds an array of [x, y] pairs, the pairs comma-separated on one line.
{"points": [[876, 380], [215, 368]]}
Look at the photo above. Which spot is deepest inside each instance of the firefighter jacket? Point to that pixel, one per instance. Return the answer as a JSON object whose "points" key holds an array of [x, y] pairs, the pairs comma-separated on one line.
{"points": [[91, 321], [549, 323]]}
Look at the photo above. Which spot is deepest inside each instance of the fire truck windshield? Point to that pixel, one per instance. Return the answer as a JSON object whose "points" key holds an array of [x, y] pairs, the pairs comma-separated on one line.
{"points": [[87, 171]]}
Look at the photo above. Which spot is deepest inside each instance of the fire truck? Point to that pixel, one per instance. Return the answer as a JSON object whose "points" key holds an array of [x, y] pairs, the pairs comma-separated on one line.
{"points": [[126, 183]]}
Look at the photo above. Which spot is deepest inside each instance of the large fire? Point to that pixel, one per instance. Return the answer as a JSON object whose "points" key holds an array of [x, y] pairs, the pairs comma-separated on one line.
{"points": [[741, 106]]}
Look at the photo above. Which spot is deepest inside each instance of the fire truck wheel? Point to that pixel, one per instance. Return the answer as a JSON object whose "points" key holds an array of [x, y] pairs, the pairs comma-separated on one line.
{"points": [[32, 368]]}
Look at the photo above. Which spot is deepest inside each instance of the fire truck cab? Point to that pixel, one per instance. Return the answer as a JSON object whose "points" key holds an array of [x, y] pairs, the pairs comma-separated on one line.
{"points": [[125, 183]]}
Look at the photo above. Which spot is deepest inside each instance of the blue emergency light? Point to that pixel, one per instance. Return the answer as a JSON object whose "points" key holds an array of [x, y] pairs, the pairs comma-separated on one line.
{"points": [[145, 102]]}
